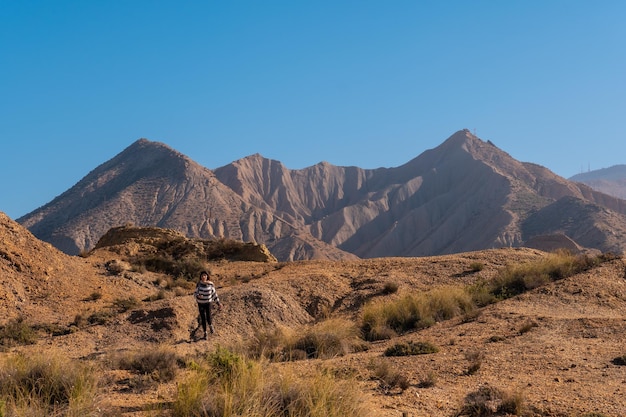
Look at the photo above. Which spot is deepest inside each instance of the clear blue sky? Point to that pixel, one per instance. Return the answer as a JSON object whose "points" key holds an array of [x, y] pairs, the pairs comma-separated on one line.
{"points": [[362, 83]]}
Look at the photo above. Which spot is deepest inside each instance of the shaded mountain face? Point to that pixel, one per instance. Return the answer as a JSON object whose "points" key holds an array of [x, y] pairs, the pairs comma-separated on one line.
{"points": [[464, 195], [611, 181]]}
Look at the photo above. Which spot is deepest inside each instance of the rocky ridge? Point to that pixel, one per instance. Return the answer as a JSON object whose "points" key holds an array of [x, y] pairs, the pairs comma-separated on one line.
{"points": [[463, 195]]}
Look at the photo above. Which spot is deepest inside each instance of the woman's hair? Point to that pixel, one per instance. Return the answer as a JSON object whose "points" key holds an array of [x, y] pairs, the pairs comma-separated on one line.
{"points": [[204, 273]]}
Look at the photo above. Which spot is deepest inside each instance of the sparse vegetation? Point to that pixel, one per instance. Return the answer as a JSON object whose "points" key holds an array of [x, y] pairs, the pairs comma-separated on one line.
{"points": [[17, 332], [430, 380], [490, 401], [46, 385], [390, 288], [411, 348], [516, 279], [528, 326], [475, 358], [476, 266], [226, 384], [159, 364], [385, 319], [125, 304], [414, 311], [94, 296], [326, 339], [388, 377]]}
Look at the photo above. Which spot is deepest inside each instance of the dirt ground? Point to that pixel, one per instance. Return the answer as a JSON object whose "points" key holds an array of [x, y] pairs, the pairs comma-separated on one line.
{"points": [[553, 346]]}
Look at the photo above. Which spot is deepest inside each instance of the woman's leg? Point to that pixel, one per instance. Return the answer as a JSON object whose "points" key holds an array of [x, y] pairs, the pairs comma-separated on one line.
{"points": [[203, 316], [209, 319]]}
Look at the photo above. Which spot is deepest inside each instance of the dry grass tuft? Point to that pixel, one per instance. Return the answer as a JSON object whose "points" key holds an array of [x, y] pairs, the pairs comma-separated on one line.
{"points": [[226, 384], [47, 385]]}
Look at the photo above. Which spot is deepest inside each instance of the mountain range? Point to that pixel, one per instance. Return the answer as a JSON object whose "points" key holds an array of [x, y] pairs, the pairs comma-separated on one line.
{"points": [[610, 180], [464, 195]]}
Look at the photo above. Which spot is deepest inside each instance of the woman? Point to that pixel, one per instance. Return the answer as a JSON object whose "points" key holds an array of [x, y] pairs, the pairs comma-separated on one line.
{"points": [[205, 296]]}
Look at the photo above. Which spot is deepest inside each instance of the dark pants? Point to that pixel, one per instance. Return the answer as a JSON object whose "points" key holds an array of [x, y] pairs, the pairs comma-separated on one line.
{"points": [[205, 315]]}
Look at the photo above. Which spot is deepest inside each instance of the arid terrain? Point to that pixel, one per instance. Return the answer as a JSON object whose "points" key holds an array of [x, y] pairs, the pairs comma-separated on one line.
{"points": [[554, 347]]}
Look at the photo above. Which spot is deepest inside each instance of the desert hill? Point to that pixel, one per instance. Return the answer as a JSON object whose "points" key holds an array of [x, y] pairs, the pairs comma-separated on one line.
{"points": [[552, 348], [611, 181], [463, 195]]}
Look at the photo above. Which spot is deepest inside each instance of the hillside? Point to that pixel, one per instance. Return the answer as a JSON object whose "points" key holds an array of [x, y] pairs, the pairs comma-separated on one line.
{"points": [[611, 181], [463, 195], [554, 346]]}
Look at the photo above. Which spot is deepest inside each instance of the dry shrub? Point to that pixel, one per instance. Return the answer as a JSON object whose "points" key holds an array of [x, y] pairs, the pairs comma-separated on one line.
{"points": [[428, 381], [411, 348], [47, 385], [475, 359], [326, 339], [226, 384], [528, 326], [159, 363], [125, 304], [415, 311], [390, 288], [516, 279], [388, 377], [490, 401], [17, 332]]}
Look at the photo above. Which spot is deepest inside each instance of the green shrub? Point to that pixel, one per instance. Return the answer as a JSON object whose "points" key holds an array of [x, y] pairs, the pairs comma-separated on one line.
{"points": [[411, 348]]}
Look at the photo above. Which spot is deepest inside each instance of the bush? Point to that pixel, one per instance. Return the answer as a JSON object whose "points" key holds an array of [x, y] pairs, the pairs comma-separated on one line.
{"points": [[17, 331], [388, 377], [160, 364], [47, 385], [475, 358], [411, 348], [516, 279], [476, 266], [125, 304], [490, 401], [327, 339], [390, 288], [415, 311], [428, 381], [229, 385]]}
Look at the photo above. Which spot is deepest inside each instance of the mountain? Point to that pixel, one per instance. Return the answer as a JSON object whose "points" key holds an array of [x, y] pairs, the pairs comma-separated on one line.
{"points": [[464, 195], [611, 181]]}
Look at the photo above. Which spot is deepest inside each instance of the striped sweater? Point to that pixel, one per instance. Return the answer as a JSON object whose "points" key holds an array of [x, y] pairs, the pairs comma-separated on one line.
{"points": [[205, 293]]}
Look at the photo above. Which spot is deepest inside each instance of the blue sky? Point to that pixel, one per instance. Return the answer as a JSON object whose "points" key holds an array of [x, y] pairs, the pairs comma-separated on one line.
{"points": [[354, 83]]}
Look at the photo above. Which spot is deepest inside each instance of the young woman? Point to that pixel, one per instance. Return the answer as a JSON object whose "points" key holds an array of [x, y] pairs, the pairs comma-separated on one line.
{"points": [[205, 296]]}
